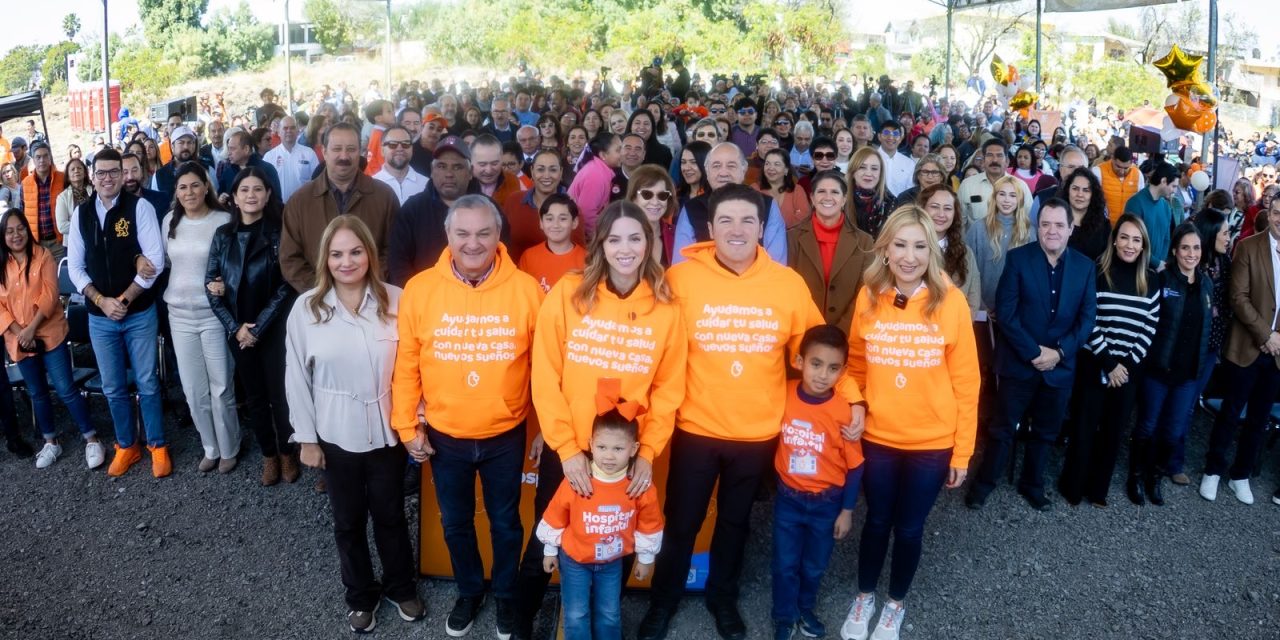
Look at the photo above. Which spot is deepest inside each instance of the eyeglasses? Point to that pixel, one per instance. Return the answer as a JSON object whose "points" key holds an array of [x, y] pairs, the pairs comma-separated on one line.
{"points": [[397, 144], [110, 173], [662, 196], [782, 122], [749, 111], [934, 173], [720, 111], [824, 155]]}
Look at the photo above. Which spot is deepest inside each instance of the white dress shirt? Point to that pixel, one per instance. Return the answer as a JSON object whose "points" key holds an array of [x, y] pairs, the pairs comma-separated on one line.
{"points": [[150, 239], [338, 372], [898, 170], [294, 166], [413, 183], [1275, 277]]}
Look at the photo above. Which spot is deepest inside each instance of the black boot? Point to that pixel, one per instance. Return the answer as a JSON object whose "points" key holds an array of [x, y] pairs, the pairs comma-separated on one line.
{"points": [[1154, 475], [1138, 454]]}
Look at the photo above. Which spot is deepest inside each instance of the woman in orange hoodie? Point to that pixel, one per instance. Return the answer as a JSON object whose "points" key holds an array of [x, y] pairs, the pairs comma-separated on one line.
{"points": [[616, 319], [912, 352]]}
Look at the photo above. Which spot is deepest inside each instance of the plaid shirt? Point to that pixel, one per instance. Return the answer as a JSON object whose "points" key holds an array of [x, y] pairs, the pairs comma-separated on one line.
{"points": [[44, 205]]}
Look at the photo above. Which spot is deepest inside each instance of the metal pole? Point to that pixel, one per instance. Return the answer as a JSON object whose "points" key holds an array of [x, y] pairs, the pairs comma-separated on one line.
{"points": [[288, 57], [386, 52], [1212, 80], [946, 88], [106, 76], [1039, 13]]}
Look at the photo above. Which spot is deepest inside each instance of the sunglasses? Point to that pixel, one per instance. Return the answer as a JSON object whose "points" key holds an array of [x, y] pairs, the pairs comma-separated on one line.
{"points": [[747, 112], [662, 196], [824, 155], [782, 122], [394, 144], [892, 133], [719, 111]]}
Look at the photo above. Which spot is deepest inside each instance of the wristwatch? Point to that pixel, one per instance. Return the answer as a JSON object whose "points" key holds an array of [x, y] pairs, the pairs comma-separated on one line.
{"points": [[124, 301]]}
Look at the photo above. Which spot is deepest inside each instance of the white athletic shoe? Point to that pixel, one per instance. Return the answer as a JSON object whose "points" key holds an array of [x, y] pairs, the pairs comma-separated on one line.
{"points": [[94, 454], [1209, 487], [1241, 489], [47, 455], [859, 618], [890, 621]]}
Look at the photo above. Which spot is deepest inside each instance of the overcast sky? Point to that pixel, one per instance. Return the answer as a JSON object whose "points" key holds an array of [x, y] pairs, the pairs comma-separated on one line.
{"points": [[41, 21]]}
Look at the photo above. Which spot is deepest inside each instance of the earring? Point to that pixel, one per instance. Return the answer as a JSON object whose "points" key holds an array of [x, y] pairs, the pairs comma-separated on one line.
{"points": [[884, 261]]}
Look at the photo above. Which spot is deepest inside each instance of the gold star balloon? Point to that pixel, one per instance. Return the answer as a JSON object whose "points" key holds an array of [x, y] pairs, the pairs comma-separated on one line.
{"points": [[1178, 66]]}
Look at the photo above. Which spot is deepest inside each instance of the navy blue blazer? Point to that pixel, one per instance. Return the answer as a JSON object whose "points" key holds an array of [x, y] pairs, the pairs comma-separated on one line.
{"points": [[1022, 313]]}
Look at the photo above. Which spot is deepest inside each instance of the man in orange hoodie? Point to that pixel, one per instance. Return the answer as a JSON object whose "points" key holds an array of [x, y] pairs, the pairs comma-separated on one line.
{"points": [[743, 314], [466, 326]]}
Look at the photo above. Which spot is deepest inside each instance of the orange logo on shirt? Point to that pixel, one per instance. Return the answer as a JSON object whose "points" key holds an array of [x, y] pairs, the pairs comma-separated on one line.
{"points": [[122, 228], [736, 369], [473, 379]]}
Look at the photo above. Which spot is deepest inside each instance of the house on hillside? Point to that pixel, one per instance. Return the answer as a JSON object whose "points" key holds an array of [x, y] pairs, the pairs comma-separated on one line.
{"points": [[1255, 82], [302, 40]]}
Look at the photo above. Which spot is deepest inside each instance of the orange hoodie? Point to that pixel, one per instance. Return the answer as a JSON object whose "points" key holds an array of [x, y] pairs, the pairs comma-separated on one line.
{"points": [[464, 350], [741, 328], [636, 340], [920, 374]]}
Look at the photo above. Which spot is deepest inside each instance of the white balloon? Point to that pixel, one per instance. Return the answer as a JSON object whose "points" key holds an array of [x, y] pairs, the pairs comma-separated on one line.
{"points": [[1172, 100], [1168, 131], [1200, 181]]}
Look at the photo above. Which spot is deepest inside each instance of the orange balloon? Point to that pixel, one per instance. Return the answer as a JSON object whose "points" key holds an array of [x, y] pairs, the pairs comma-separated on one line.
{"points": [[1189, 115]]}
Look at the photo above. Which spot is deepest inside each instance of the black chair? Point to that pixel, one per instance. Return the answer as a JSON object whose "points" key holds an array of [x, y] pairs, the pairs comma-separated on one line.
{"points": [[78, 333]]}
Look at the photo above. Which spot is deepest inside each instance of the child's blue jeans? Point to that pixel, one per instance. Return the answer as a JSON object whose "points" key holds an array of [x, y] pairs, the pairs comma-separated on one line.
{"points": [[803, 538], [592, 598]]}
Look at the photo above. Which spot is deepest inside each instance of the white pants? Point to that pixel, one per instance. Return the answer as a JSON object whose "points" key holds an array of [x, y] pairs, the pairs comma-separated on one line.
{"points": [[206, 369]]}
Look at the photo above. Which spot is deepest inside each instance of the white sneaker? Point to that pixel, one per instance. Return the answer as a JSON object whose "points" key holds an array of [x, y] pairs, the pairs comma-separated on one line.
{"points": [[1240, 488], [859, 618], [94, 454], [890, 621], [1209, 487], [47, 455]]}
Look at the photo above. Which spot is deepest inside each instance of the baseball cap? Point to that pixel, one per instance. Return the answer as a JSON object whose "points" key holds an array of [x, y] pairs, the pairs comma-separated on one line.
{"points": [[179, 132], [433, 117], [454, 144], [18, 142]]}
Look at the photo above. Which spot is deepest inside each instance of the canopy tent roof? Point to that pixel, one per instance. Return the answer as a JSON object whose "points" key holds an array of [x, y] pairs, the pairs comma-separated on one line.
{"points": [[21, 105]]}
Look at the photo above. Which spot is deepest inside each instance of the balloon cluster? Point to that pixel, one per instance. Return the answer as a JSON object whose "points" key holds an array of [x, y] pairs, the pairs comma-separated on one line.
{"points": [[1191, 106], [1013, 90]]}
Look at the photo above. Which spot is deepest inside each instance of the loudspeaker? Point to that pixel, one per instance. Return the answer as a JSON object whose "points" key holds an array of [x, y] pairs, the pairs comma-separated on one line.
{"points": [[185, 107]]}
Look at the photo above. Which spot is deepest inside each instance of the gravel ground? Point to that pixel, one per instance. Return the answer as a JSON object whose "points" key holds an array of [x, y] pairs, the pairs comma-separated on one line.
{"points": [[209, 556]]}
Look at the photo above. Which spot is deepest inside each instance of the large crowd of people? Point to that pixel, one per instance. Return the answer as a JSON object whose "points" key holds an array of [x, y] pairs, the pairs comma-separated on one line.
{"points": [[821, 293]]}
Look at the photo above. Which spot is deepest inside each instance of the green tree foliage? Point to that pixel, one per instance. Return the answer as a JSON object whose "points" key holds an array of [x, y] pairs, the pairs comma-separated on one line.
{"points": [[54, 68], [235, 40], [1120, 82], [162, 17], [334, 27], [145, 74], [90, 69], [71, 25], [17, 67]]}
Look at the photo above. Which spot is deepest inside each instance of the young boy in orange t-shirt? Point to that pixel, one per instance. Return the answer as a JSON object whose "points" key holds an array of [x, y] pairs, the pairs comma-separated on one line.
{"points": [[819, 474], [548, 261], [587, 537]]}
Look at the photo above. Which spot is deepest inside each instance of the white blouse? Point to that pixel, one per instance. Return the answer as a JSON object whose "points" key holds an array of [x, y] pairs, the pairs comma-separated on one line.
{"points": [[338, 373], [188, 255]]}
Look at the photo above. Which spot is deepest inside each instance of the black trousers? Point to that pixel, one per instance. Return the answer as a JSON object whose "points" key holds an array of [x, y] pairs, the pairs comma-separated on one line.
{"points": [[1251, 389], [361, 485], [261, 372], [697, 462], [1018, 398], [1098, 427]]}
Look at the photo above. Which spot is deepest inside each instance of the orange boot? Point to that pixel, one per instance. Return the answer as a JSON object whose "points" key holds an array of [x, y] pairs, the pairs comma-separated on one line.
{"points": [[125, 457], [161, 466]]}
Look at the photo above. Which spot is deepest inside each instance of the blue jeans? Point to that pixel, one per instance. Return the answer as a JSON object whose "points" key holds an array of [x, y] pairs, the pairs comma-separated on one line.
{"points": [[1165, 416], [803, 524], [120, 346], [592, 598], [499, 461], [901, 487], [1178, 456], [56, 364]]}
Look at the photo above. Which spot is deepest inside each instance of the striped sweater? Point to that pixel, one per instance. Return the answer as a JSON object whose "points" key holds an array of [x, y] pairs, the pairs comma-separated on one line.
{"points": [[1126, 321]]}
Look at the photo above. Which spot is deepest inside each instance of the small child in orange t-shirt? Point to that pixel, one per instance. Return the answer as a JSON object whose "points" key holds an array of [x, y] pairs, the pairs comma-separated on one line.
{"points": [[819, 475], [548, 261], [587, 537]]}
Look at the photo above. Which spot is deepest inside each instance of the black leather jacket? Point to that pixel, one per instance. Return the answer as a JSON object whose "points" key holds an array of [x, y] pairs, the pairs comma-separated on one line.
{"points": [[257, 267], [1173, 300]]}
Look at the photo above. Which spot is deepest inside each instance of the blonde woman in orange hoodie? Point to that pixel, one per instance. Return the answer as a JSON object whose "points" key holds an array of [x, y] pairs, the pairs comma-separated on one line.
{"points": [[912, 351], [617, 319]]}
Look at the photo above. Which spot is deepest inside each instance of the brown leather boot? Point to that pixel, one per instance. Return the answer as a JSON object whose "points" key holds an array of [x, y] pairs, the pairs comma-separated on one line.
{"points": [[270, 470], [290, 470]]}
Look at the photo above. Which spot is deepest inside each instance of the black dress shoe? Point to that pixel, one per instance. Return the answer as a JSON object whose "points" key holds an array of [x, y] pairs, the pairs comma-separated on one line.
{"points": [[1037, 502], [975, 500], [729, 622], [19, 447], [655, 623], [1155, 489], [1133, 489]]}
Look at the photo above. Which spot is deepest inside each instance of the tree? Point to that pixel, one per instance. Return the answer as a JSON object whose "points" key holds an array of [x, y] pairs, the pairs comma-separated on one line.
{"points": [[334, 28], [54, 68], [983, 33], [145, 74], [236, 40], [162, 17], [17, 67], [71, 25]]}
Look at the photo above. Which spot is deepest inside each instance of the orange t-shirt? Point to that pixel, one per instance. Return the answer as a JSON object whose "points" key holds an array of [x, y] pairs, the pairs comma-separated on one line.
{"points": [[812, 455], [374, 152], [547, 267], [604, 527]]}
